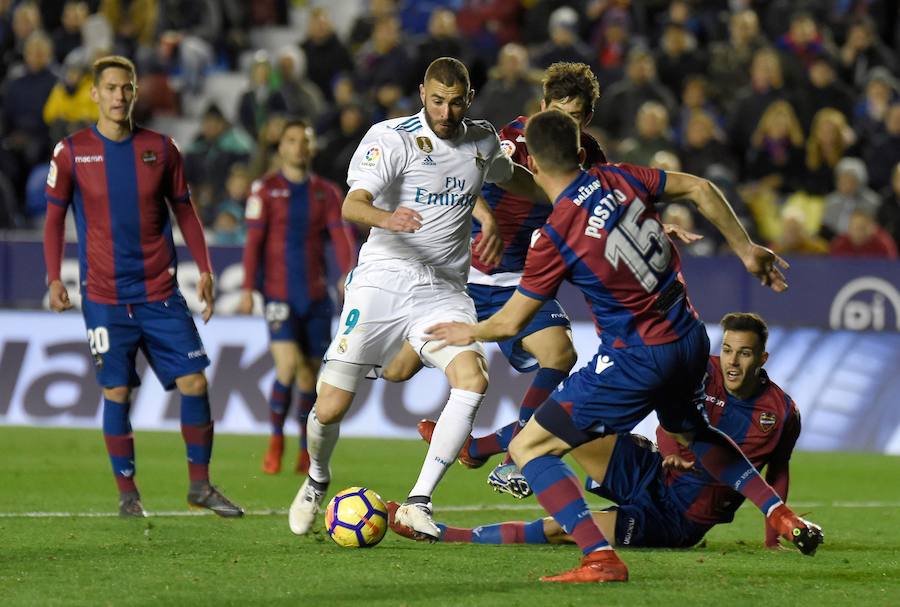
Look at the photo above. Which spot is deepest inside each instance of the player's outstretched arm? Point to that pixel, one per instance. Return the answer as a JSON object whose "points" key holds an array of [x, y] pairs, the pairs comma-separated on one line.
{"points": [[758, 260], [358, 208], [507, 322], [778, 468]]}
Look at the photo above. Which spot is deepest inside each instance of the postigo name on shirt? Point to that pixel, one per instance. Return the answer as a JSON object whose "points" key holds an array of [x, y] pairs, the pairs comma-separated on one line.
{"points": [[602, 210], [454, 195]]}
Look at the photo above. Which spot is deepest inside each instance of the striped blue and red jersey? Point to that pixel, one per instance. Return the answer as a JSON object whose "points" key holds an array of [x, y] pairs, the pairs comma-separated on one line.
{"points": [[287, 224], [765, 427], [605, 237], [121, 192], [518, 217]]}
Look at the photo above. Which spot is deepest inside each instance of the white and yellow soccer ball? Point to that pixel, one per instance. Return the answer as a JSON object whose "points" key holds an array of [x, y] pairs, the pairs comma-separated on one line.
{"points": [[356, 518]]}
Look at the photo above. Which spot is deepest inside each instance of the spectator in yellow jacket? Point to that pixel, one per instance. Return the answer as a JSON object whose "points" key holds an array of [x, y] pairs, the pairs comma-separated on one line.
{"points": [[69, 106]]}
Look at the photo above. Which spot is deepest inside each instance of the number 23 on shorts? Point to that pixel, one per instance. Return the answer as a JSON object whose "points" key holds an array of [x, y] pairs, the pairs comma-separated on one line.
{"points": [[351, 320]]}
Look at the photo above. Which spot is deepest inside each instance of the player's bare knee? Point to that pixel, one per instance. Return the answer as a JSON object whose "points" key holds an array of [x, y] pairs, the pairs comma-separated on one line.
{"points": [[192, 385], [332, 408], [119, 394], [471, 377], [285, 367], [468, 371], [562, 358], [306, 376]]}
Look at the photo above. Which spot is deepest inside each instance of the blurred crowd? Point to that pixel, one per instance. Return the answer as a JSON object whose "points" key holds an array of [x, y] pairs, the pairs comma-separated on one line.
{"points": [[791, 107]]}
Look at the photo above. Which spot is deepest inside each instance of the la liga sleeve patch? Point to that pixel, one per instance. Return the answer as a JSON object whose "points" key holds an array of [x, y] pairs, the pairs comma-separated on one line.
{"points": [[51, 174], [371, 158], [254, 207]]}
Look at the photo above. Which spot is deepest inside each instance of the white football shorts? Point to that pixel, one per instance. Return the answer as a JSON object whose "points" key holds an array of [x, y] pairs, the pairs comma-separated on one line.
{"points": [[386, 304]]}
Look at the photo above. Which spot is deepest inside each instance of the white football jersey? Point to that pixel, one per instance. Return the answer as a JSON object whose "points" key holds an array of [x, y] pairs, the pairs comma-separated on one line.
{"points": [[401, 162]]}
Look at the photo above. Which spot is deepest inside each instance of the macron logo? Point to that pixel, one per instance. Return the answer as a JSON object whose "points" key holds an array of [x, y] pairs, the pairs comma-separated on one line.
{"points": [[88, 159], [603, 363]]}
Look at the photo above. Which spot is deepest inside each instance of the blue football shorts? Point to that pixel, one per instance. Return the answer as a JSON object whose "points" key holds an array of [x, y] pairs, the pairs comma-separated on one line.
{"points": [[489, 300], [620, 386], [163, 330], [309, 328], [647, 516]]}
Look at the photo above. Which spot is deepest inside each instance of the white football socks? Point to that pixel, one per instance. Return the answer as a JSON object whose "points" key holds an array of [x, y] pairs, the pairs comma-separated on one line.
{"points": [[320, 442], [453, 426]]}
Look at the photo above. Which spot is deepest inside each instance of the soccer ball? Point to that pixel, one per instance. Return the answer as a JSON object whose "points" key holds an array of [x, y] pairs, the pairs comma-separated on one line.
{"points": [[356, 518]]}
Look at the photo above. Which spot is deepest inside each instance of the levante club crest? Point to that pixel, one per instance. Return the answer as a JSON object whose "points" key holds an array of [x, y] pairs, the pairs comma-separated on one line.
{"points": [[767, 421]]}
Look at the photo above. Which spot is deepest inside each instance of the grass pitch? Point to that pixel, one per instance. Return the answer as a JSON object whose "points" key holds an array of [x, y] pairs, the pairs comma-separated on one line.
{"points": [[204, 560]]}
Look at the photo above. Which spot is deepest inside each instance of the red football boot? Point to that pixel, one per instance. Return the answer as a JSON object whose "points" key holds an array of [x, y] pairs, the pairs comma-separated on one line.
{"points": [[426, 430], [394, 525], [272, 461], [599, 566]]}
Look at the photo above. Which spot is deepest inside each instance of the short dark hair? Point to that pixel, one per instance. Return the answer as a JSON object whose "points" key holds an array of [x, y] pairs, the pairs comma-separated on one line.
{"points": [[112, 61], [449, 72], [746, 321], [554, 139], [293, 123], [567, 80]]}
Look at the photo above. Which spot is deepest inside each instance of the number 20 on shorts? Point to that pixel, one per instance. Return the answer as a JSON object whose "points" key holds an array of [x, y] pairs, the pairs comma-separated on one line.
{"points": [[98, 340], [352, 319]]}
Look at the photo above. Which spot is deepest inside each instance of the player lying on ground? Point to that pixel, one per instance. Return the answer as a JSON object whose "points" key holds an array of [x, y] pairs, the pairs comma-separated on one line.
{"points": [[290, 216], [664, 498], [605, 237], [121, 181]]}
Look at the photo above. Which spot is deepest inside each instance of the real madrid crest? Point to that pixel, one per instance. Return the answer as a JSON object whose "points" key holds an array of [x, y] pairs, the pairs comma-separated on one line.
{"points": [[342, 345], [424, 144], [767, 421]]}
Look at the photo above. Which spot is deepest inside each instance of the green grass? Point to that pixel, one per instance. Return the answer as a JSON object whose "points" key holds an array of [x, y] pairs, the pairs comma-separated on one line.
{"points": [[167, 560]]}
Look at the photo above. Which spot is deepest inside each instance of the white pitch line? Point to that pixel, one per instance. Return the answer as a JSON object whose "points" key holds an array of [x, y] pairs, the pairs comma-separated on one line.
{"points": [[458, 508]]}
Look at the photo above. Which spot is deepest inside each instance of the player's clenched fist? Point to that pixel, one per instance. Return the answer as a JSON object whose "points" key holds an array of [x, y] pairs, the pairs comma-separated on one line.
{"points": [[59, 297], [403, 219]]}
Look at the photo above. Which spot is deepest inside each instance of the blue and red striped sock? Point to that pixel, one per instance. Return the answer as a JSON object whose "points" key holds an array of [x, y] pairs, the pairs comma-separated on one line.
{"points": [[305, 405], [725, 461], [543, 384], [558, 491], [511, 532], [486, 446], [279, 403], [197, 431], [119, 443]]}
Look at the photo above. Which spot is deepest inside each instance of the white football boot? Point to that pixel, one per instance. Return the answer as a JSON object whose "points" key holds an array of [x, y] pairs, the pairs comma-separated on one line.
{"points": [[305, 507], [418, 518]]}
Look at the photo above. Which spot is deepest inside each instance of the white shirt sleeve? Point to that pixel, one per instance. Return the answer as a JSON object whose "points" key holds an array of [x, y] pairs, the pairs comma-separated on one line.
{"points": [[379, 159], [500, 166]]}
